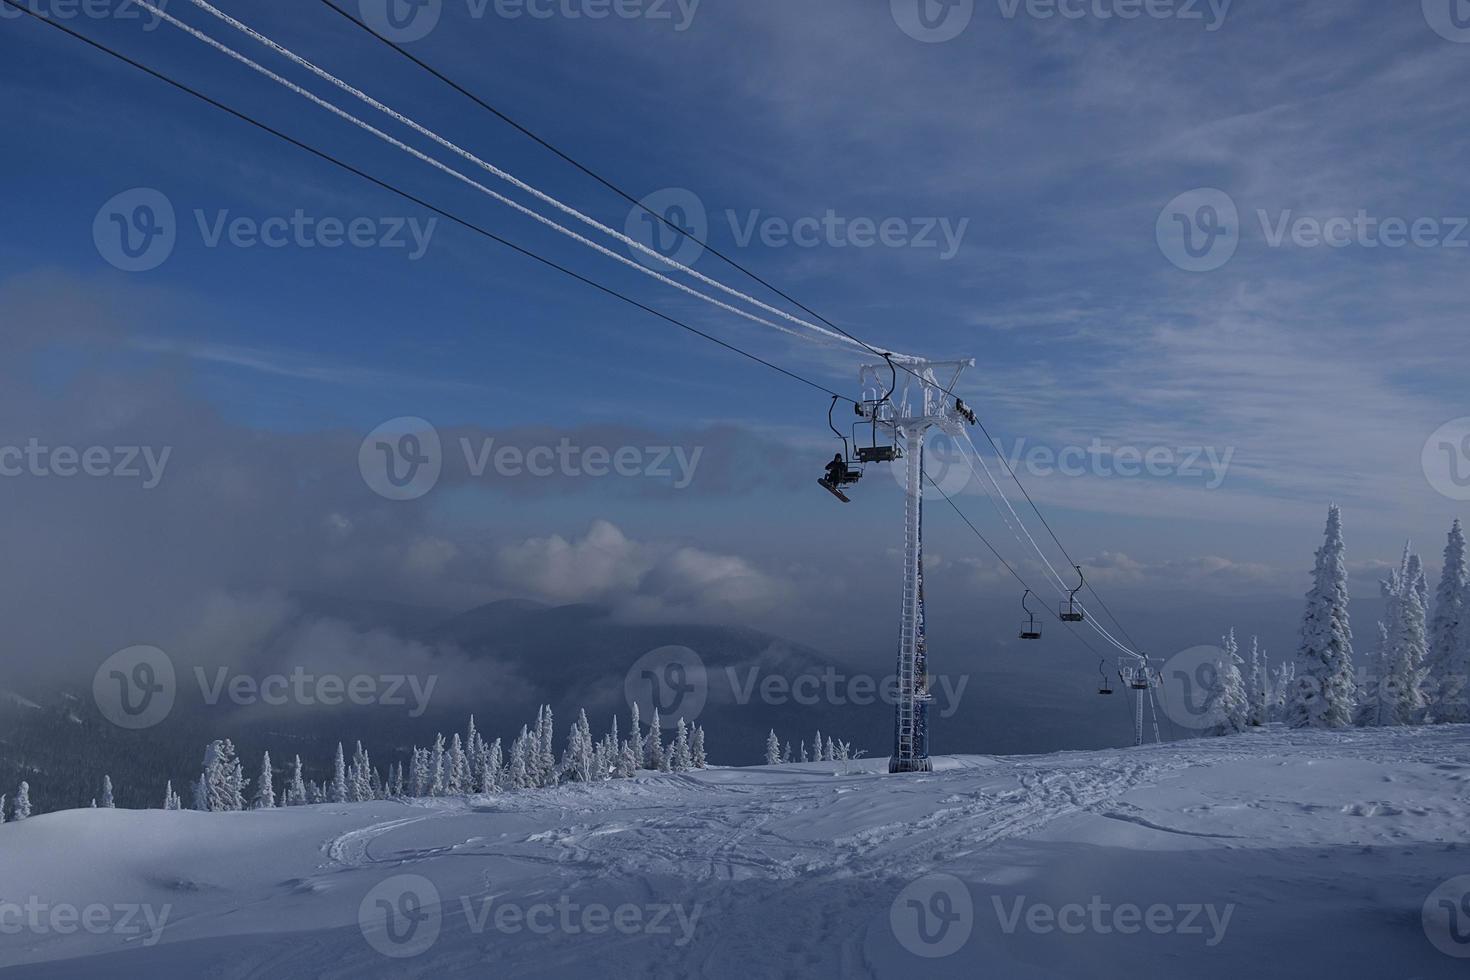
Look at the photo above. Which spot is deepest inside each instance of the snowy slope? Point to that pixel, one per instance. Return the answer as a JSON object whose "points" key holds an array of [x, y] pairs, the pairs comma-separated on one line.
{"points": [[1282, 854]]}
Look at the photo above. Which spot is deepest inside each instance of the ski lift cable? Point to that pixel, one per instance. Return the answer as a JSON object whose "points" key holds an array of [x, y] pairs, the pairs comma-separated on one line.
{"points": [[1062, 586], [438, 165], [661, 218], [514, 181], [408, 196], [1051, 532], [1001, 558]]}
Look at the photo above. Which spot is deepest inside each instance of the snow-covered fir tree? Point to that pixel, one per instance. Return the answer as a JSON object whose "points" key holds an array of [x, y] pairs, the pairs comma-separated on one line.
{"points": [[1282, 679], [696, 748], [171, 799], [1324, 693], [773, 749], [438, 778], [296, 787], [680, 759], [1447, 693], [223, 780], [1408, 645], [265, 792], [1375, 694], [1257, 694], [653, 750], [457, 768], [337, 791], [107, 800], [22, 808], [1232, 707]]}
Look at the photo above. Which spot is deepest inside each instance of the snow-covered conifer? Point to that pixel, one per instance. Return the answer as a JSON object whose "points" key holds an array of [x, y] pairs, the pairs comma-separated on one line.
{"points": [[773, 749], [107, 800], [265, 791], [696, 748], [680, 758], [1232, 708], [1256, 688], [22, 808], [653, 753], [1324, 694], [296, 788], [1448, 664], [337, 791]]}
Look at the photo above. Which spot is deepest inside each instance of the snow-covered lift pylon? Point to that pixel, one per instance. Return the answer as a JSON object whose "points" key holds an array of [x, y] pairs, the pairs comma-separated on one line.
{"points": [[920, 402]]}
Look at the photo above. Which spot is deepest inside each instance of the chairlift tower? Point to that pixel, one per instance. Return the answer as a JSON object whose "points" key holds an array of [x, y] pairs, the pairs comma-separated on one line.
{"points": [[922, 400], [1141, 679]]}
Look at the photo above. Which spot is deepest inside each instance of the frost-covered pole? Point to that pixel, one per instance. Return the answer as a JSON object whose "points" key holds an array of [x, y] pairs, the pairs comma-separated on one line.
{"points": [[921, 402]]}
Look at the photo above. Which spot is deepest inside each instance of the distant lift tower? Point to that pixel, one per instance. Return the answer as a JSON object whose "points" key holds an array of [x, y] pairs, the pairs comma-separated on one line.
{"points": [[924, 399]]}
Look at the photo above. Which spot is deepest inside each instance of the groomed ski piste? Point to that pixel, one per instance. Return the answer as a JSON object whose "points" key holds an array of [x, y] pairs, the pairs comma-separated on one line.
{"points": [[1270, 854]]}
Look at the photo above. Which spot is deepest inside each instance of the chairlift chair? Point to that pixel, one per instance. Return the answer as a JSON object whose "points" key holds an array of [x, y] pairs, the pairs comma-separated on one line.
{"points": [[1070, 611], [1105, 687], [1031, 629]]}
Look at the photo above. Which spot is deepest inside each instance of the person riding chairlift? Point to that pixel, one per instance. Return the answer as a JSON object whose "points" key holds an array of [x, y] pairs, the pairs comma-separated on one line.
{"points": [[837, 470]]}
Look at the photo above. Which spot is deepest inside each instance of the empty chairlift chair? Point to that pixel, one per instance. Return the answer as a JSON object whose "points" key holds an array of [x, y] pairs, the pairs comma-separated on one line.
{"points": [[1071, 611], [1030, 629]]}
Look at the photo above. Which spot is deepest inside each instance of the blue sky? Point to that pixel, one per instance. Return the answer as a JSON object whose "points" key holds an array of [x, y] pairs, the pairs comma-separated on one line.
{"points": [[1055, 143]]}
